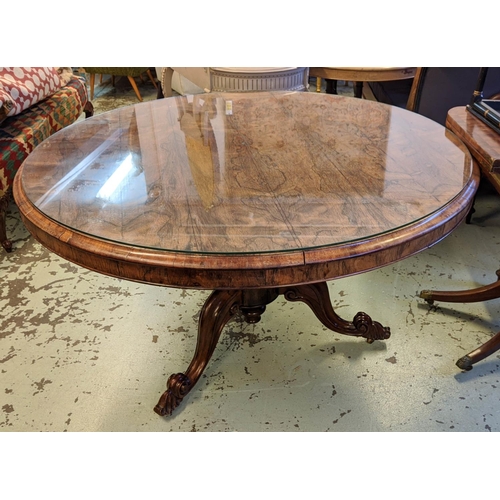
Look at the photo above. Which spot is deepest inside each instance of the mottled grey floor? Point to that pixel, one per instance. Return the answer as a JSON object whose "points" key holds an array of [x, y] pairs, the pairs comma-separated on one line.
{"points": [[85, 352]]}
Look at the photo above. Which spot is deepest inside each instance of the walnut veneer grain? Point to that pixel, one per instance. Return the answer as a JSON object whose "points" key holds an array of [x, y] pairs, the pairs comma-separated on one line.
{"points": [[252, 195], [230, 190]]}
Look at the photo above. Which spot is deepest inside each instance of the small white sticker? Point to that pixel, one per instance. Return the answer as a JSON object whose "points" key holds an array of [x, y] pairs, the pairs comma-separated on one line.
{"points": [[229, 107]]}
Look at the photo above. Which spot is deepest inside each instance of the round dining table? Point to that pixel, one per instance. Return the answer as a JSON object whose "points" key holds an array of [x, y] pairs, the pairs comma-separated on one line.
{"points": [[253, 196], [359, 75]]}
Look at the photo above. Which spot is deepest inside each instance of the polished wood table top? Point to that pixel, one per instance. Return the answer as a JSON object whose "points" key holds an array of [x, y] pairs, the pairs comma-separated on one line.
{"points": [[482, 141], [248, 183], [250, 195]]}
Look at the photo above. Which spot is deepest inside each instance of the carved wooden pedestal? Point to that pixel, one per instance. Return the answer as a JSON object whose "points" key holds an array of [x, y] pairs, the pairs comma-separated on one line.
{"points": [[222, 305]]}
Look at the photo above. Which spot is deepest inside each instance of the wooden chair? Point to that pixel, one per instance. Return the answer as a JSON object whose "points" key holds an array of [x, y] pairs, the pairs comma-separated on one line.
{"points": [[130, 73]]}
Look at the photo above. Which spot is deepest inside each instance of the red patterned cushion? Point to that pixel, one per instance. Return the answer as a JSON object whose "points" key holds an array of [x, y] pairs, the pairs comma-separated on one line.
{"points": [[20, 88]]}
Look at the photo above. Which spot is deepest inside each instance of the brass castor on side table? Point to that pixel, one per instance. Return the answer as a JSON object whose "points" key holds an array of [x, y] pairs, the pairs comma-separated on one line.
{"points": [[487, 292]]}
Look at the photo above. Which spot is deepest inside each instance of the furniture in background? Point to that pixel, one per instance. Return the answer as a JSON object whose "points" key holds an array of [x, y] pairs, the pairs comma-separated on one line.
{"points": [[434, 91], [360, 75], [179, 84], [21, 133], [243, 194], [484, 145], [258, 79], [130, 73]]}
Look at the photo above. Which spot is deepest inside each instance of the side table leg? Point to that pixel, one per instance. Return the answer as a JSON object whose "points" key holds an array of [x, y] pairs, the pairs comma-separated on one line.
{"points": [[316, 296], [4, 203], [358, 89], [480, 353], [331, 86], [480, 294], [220, 306]]}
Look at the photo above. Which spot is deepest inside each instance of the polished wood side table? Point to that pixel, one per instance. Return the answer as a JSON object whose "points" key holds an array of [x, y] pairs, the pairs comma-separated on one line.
{"points": [[253, 196], [484, 144], [360, 75]]}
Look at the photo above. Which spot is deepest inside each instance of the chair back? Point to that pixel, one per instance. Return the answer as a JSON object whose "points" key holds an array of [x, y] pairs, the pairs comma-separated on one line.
{"points": [[436, 90]]}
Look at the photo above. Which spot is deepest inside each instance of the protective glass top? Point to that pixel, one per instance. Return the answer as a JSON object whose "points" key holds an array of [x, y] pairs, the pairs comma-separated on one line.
{"points": [[246, 173]]}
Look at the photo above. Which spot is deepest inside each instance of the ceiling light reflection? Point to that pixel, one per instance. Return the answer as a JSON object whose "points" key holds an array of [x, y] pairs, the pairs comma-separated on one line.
{"points": [[118, 176]]}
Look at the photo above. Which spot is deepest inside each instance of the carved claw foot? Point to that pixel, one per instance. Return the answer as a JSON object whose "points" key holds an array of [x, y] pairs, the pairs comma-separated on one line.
{"points": [[369, 329], [316, 296], [178, 385]]}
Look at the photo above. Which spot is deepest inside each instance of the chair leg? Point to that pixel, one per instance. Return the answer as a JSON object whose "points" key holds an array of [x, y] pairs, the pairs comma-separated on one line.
{"points": [[88, 109], [152, 79], [134, 86], [331, 86], [318, 84], [92, 82], [4, 203]]}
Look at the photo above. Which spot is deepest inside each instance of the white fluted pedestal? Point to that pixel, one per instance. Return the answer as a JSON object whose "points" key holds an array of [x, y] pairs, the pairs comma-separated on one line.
{"points": [[259, 79]]}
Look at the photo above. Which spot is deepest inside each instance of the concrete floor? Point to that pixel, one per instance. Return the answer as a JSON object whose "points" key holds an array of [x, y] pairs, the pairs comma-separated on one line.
{"points": [[84, 352]]}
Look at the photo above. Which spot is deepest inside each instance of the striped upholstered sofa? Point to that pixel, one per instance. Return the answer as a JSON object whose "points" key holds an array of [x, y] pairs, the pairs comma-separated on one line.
{"points": [[23, 132]]}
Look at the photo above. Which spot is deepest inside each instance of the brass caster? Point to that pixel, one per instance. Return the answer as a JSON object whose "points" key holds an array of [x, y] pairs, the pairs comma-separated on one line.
{"points": [[427, 296], [465, 363]]}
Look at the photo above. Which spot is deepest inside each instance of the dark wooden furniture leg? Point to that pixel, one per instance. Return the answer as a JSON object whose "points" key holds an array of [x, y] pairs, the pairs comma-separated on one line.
{"points": [[358, 89], [4, 203], [487, 292], [480, 353], [222, 305], [317, 297], [88, 109], [216, 312], [331, 86]]}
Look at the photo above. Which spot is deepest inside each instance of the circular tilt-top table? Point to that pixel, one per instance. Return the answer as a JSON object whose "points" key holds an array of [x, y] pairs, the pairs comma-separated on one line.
{"points": [[358, 75], [252, 196]]}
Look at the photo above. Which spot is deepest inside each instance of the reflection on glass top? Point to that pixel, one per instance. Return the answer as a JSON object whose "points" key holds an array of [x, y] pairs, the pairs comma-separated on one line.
{"points": [[239, 173]]}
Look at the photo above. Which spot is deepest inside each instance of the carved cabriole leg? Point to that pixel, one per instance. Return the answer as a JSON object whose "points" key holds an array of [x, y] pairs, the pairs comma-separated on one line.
{"points": [[220, 306], [480, 294], [316, 296]]}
